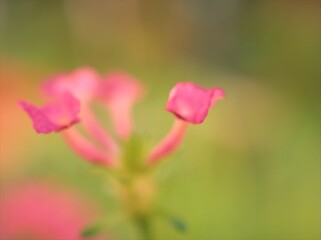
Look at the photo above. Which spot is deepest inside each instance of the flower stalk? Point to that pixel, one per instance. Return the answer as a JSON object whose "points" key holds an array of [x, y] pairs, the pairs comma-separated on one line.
{"points": [[143, 224], [171, 141]]}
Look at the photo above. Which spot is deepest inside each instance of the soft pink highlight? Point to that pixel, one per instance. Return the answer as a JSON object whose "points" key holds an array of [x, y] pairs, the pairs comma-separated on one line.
{"points": [[39, 211], [54, 116]]}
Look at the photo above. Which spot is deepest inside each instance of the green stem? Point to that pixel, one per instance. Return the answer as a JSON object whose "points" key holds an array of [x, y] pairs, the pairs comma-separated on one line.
{"points": [[143, 225]]}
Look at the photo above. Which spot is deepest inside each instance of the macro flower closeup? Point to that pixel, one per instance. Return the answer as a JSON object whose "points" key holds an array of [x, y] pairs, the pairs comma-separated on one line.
{"points": [[173, 119]]}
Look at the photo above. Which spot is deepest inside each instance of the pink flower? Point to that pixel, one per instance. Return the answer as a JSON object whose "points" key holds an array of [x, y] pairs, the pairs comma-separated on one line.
{"points": [[54, 116], [40, 211], [190, 104], [120, 91], [66, 110], [84, 84]]}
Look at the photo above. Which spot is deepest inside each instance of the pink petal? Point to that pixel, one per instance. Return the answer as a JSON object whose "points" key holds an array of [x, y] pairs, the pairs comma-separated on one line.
{"points": [[190, 102], [118, 86], [218, 94], [122, 120], [54, 116], [120, 91], [41, 123], [82, 83]]}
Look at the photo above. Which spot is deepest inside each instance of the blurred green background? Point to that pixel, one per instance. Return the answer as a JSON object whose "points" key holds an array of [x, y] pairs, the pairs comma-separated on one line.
{"points": [[251, 171]]}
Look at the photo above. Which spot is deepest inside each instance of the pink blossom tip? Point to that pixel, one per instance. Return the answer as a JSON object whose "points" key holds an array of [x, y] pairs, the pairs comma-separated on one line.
{"points": [[82, 83], [54, 116], [120, 87], [120, 92], [191, 103]]}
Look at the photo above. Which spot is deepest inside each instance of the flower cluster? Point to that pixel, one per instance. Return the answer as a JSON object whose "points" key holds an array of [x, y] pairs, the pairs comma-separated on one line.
{"points": [[70, 97], [69, 111]]}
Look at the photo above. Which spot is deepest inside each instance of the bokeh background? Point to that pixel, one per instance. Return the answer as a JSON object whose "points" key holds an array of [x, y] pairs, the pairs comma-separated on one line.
{"points": [[251, 171]]}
